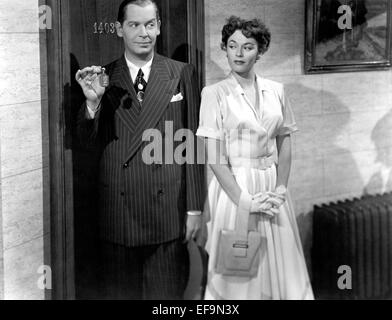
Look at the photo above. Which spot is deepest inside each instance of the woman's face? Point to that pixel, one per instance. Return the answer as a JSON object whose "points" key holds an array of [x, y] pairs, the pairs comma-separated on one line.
{"points": [[242, 52]]}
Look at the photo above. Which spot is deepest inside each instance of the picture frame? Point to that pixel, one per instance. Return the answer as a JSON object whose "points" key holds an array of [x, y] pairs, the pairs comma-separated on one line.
{"points": [[347, 35]]}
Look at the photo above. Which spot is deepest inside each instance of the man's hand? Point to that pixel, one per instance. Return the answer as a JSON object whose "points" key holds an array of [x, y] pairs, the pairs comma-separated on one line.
{"points": [[193, 225], [89, 80]]}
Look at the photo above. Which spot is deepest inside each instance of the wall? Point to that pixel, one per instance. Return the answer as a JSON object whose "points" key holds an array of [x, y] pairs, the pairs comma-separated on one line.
{"points": [[334, 156], [1, 242], [23, 155]]}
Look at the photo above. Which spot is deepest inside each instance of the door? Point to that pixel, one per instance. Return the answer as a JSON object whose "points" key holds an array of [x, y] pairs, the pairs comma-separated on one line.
{"points": [[84, 34]]}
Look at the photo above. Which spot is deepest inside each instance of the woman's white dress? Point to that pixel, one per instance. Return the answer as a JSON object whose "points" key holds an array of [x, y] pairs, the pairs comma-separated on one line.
{"points": [[248, 134]]}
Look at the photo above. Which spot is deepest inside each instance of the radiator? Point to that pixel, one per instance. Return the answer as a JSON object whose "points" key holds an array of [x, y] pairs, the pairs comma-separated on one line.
{"points": [[356, 233]]}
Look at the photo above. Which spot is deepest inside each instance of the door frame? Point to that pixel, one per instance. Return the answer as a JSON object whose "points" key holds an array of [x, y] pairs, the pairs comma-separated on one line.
{"points": [[60, 141]]}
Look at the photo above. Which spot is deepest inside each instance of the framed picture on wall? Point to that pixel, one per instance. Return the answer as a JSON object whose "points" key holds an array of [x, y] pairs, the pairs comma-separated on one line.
{"points": [[347, 35]]}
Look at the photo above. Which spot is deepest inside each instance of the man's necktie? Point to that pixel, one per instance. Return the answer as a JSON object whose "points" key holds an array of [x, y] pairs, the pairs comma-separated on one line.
{"points": [[140, 86]]}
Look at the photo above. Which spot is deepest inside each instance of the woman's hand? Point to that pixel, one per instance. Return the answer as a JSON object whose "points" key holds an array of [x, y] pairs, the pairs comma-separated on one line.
{"points": [[259, 202], [277, 197], [269, 202]]}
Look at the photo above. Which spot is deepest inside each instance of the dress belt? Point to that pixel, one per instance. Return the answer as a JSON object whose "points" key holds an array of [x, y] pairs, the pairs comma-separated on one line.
{"points": [[255, 163]]}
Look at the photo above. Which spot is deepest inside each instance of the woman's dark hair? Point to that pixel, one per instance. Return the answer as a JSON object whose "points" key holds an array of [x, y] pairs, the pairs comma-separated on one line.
{"points": [[123, 8], [254, 28]]}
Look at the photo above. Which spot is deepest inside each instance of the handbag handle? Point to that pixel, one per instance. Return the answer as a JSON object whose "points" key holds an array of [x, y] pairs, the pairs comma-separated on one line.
{"points": [[243, 212]]}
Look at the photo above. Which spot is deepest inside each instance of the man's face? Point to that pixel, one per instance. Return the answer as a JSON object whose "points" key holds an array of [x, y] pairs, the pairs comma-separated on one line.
{"points": [[139, 31]]}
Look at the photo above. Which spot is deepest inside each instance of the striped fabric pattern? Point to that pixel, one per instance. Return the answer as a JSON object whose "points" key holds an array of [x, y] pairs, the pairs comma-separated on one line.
{"points": [[156, 272], [144, 204]]}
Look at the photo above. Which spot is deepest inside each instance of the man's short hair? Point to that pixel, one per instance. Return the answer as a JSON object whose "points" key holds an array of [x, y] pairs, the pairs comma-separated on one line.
{"points": [[123, 8]]}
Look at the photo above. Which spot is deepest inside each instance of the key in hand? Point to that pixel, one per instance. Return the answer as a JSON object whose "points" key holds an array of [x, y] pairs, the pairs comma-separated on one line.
{"points": [[104, 79]]}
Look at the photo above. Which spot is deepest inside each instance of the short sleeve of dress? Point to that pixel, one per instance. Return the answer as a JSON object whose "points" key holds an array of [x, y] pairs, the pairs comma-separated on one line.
{"points": [[289, 125], [210, 125]]}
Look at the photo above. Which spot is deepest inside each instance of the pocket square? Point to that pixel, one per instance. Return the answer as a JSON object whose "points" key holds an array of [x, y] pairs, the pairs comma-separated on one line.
{"points": [[177, 97]]}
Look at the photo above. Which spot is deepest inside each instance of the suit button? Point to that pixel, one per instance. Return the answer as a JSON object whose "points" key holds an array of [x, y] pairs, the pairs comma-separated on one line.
{"points": [[160, 192], [122, 194], [125, 165]]}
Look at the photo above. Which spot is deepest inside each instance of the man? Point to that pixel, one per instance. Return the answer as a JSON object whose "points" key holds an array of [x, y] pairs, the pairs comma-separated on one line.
{"points": [[147, 212]]}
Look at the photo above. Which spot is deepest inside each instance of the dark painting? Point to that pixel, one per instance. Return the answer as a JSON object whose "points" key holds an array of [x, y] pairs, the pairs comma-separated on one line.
{"points": [[347, 35]]}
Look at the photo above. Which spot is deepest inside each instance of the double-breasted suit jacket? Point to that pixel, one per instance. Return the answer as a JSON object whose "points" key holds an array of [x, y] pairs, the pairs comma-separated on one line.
{"points": [[144, 204]]}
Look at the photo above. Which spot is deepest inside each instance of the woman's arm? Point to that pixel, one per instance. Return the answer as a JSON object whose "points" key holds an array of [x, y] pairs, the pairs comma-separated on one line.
{"points": [[284, 159], [217, 161]]}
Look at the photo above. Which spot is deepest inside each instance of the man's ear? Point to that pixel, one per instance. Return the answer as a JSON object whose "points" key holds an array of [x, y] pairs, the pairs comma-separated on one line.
{"points": [[119, 29], [159, 28]]}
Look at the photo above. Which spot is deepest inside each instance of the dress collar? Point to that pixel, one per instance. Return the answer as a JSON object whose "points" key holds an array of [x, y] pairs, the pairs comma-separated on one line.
{"points": [[261, 83]]}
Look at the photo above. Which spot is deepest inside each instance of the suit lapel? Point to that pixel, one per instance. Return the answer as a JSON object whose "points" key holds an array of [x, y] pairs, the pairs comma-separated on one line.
{"points": [[160, 88], [121, 93]]}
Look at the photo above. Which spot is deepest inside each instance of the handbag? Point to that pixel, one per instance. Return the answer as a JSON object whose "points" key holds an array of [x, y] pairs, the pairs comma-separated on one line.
{"points": [[238, 251]]}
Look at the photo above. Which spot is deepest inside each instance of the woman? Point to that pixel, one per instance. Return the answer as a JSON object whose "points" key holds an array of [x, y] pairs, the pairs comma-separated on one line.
{"points": [[247, 122]]}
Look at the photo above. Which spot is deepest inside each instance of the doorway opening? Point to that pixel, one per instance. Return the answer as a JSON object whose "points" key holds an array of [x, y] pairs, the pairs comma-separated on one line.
{"points": [[82, 35]]}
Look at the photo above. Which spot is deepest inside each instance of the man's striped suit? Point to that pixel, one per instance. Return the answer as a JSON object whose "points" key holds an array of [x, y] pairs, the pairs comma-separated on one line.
{"points": [[143, 206]]}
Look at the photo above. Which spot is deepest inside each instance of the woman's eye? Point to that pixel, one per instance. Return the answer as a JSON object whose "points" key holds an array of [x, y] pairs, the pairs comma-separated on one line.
{"points": [[248, 48]]}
